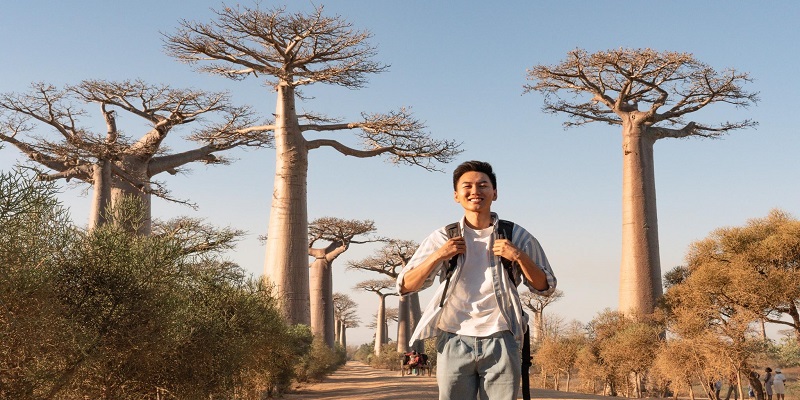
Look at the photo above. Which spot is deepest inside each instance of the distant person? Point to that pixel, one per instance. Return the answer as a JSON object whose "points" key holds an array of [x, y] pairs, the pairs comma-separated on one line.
{"points": [[413, 362], [768, 381], [750, 389], [732, 386], [779, 384], [476, 313], [717, 388]]}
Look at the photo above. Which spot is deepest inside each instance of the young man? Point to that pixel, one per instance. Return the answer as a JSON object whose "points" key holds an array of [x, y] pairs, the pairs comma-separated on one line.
{"points": [[477, 317]]}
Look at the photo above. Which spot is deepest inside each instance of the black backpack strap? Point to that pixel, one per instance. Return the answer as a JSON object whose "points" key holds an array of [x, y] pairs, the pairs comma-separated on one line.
{"points": [[505, 230], [526, 365], [452, 231]]}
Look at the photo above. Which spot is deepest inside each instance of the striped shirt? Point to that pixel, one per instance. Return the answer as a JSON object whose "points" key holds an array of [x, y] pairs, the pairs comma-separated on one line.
{"points": [[506, 293]]}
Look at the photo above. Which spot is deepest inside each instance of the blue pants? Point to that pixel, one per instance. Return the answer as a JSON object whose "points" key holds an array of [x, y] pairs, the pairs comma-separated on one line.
{"points": [[469, 368]]}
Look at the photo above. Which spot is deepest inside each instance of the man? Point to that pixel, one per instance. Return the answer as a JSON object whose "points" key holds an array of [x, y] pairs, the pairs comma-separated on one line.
{"points": [[477, 316]]}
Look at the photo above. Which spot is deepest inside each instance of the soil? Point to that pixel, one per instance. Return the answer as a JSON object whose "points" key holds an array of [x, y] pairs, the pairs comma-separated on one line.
{"points": [[357, 381]]}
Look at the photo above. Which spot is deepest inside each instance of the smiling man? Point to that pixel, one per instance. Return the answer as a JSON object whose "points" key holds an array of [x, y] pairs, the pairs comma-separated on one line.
{"points": [[476, 313]]}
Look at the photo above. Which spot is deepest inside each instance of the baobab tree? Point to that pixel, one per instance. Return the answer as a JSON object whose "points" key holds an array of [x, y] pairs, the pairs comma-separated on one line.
{"points": [[390, 315], [649, 94], [390, 260], [114, 164], [383, 288], [537, 303], [291, 51], [344, 310], [339, 235]]}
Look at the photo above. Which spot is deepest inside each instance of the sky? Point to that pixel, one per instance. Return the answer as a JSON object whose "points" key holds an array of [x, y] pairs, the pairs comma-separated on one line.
{"points": [[461, 67]]}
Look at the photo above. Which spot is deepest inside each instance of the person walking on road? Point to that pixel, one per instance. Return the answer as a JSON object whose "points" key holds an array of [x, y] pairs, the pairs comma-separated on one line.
{"points": [[476, 313]]}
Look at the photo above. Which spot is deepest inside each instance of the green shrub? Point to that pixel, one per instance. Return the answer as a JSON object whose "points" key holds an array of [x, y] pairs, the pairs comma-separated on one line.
{"points": [[388, 359], [110, 314], [319, 362]]}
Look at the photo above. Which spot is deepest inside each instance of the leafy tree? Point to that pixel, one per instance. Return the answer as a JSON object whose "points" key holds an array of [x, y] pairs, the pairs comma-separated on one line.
{"points": [[113, 163], [382, 288], [649, 94], [291, 51], [390, 260], [559, 354], [339, 235]]}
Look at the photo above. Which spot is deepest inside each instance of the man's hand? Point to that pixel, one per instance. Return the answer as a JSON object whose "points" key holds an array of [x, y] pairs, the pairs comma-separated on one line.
{"points": [[453, 246], [504, 248]]}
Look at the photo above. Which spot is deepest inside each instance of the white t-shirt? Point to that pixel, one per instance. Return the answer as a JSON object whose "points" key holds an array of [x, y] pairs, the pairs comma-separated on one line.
{"points": [[472, 308]]}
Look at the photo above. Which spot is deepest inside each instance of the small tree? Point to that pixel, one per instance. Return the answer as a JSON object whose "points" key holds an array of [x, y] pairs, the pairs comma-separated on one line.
{"points": [[537, 303], [344, 311], [379, 287], [390, 260], [339, 235], [649, 94], [294, 50]]}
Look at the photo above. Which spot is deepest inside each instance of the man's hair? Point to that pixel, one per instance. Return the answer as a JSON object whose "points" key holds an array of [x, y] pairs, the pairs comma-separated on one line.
{"points": [[477, 166]]}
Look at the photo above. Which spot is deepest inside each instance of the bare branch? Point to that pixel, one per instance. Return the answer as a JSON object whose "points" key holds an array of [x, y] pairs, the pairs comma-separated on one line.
{"points": [[608, 85], [297, 49], [396, 133]]}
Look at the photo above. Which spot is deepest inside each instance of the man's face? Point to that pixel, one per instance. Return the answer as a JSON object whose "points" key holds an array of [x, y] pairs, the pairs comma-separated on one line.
{"points": [[474, 191]]}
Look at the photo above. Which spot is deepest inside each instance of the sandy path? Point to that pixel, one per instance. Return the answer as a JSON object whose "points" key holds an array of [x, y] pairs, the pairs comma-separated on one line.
{"points": [[356, 381]]}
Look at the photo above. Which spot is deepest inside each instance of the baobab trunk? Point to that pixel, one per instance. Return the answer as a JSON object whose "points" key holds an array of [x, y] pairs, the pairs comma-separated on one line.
{"points": [[286, 261], [338, 338], [321, 300], [380, 332], [416, 315], [640, 271], [537, 330], [404, 328], [101, 196]]}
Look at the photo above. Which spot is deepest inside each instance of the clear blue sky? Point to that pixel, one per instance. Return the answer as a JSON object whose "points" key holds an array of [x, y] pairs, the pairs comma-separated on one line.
{"points": [[461, 66]]}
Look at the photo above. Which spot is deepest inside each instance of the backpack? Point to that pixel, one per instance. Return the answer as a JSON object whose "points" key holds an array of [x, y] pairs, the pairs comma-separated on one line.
{"points": [[505, 228]]}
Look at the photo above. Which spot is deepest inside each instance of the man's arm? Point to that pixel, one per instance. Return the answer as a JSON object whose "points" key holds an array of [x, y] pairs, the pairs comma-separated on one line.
{"points": [[533, 273], [415, 278]]}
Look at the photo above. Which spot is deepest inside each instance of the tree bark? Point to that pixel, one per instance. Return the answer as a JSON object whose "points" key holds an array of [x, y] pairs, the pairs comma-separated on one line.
{"points": [[403, 324], [321, 300], [640, 271], [416, 315], [380, 332], [338, 337], [101, 195], [286, 261], [538, 327]]}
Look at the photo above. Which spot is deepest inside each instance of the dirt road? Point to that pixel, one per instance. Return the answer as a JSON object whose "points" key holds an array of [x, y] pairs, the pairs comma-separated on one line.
{"points": [[356, 381]]}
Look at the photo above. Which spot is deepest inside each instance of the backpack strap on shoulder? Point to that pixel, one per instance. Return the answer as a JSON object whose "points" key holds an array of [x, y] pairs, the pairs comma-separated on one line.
{"points": [[505, 230], [452, 231]]}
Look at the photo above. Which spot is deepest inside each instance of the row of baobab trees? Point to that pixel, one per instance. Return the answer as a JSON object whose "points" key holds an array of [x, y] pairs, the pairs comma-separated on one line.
{"points": [[647, 93]]}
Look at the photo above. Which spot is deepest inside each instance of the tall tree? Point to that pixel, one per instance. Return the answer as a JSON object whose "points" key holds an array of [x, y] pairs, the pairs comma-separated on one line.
{"points": [[113, 163], [649, 94], [383, 288], [390, 315], [344, 309], [339, 235], [294, 50], [537, 303], [390, 260]]}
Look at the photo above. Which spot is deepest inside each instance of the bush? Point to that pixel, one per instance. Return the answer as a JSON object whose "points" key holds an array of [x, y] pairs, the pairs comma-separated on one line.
{"points": [[319, 362], [388, 359], [110, 314]]}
